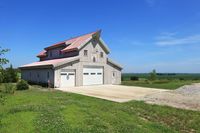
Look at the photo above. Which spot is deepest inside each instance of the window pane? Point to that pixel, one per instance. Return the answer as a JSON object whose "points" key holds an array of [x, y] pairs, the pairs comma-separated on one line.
{"points": [[86, 73], [85, 52], [101, 54]]}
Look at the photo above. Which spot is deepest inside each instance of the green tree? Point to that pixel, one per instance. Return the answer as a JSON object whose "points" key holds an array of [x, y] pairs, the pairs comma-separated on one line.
{"points": [[10, 75], [3, 61], [153, 75]]}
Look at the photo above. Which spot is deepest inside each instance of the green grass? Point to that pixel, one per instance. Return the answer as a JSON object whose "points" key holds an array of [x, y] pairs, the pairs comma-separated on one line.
{"points": [[36, 110], [170, 84]]}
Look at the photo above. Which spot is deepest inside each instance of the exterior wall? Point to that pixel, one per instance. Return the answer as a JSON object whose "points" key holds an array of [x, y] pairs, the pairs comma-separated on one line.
{"points": [[94, 50], [112, 74], [38, 75], [70, 66]]}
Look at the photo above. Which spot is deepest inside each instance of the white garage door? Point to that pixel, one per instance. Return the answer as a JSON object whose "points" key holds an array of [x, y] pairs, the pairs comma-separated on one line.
{"points": [[67, 79], [92, 76]]}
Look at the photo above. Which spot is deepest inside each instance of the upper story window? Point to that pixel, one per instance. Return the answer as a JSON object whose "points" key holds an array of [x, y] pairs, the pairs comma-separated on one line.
{"points": [[94, 59], [85, 53], [101, 54], [50, 53], [60, 53]]}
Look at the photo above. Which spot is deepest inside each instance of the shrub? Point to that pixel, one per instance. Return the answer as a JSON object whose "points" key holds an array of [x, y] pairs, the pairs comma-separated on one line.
{"points": [[9, 88], [2, 98], [22, 85], [181, 79], [134, 78], [10, 75], [153, 75]]}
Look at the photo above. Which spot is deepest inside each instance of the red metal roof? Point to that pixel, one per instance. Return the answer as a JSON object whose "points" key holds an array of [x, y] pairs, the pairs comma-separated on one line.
{"points": [[71, 44], [53, 62], [42, 53]]}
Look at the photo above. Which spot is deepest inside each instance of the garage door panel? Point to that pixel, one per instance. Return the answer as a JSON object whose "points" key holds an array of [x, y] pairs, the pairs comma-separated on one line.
{"points": [[92, 76], [67, 79]]}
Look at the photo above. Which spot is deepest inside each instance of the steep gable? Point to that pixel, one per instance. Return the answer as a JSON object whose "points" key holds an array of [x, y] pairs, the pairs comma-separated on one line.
{"points": [[72, 44]]}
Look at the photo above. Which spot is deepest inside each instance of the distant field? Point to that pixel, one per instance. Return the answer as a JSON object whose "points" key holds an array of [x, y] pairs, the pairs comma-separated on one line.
{"points": [[164, 81], [170, 76]]}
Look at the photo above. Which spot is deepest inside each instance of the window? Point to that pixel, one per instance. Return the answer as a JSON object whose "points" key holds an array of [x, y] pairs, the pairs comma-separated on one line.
{"points": [[38, 75], [47, 75], [50, 53], [92, 73], [60, 53], [63, 74], [99, 73], [85, 52], [101, 54], [85, 73], [94, 59], [113, 74]]}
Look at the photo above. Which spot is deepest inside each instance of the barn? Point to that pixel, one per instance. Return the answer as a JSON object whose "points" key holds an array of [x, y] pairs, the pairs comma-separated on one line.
{"points": [[78, 61]]}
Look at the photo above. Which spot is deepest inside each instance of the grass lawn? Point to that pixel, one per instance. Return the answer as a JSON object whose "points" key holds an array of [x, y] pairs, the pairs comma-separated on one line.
{"points": [[170, 84], [37, 110]]}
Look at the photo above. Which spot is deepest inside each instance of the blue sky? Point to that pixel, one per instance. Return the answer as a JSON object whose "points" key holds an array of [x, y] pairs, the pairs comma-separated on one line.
{"points": [[141, 34]]}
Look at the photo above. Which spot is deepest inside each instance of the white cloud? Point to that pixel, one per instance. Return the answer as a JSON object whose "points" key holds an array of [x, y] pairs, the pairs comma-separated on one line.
{"points": [[169, 39]]}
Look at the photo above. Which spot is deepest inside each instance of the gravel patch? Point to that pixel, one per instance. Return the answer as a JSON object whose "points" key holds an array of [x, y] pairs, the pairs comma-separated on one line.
{"points": [[186, 97], [189, 90]]}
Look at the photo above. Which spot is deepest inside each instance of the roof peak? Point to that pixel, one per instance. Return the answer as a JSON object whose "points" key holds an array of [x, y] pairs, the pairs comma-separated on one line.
{"points": [[62, 42], [85, 34]]}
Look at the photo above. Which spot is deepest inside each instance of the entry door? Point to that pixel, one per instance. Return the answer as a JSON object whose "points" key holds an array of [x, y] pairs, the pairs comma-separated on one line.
{"points": [[67, 79], [114, 77], [92, 76]]}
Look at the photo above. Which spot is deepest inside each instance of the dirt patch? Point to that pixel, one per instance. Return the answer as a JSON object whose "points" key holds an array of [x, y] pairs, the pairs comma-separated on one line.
{"points": [[186, 97]]}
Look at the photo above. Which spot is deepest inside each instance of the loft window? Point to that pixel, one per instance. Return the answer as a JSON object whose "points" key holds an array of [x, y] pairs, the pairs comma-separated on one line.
{"points": [[50, 53], [85, 52], [94, 59], [60, 53], [101, 54]]}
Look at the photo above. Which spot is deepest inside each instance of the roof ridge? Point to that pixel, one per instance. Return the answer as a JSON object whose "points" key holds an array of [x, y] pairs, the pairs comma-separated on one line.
{"points": [[61, 42], [82, 35]]}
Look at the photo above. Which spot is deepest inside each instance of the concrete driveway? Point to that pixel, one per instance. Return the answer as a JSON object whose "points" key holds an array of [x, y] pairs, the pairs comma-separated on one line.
{"points": [[116, 93]]}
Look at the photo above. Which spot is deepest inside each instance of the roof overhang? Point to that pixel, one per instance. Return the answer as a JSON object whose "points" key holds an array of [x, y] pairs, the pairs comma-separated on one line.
{"points": [[60, 44], [49, 63], [114, 63]]}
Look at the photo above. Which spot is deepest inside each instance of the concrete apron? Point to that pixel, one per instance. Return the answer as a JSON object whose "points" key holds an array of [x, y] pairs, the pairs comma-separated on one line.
{"points": [[116, 93]]}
